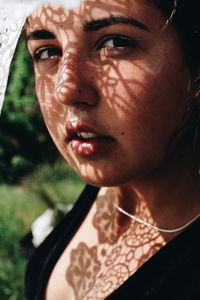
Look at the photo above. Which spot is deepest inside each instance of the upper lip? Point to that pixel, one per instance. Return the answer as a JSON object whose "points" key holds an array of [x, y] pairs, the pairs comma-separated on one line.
{"points": [[73, 129]]}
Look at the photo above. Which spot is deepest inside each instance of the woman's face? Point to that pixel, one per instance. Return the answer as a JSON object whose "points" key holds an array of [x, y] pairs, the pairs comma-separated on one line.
{"points": [[112, 85]]}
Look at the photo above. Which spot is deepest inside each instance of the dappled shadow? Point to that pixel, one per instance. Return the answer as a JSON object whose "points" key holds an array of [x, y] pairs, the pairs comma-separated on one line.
{"points": [[122, 248], [86, 85], [125, 90]]}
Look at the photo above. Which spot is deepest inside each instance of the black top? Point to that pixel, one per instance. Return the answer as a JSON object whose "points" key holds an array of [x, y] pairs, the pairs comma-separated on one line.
{"points": [[173, 273]]}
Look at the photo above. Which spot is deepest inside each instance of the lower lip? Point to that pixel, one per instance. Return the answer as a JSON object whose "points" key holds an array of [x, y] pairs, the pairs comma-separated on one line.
{"points": [[91, 147]]}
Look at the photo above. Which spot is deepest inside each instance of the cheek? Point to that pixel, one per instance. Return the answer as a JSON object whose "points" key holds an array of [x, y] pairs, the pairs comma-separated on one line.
{"points": [[147, 102], [155, 88], [53, 113]]}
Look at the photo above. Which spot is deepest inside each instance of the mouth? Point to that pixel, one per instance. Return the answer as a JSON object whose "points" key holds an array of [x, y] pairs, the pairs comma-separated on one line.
{"points": [[86, 136], [86, 141]]}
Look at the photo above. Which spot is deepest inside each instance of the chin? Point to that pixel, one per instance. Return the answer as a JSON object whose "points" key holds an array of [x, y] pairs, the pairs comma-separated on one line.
{"points": [[104, 180], [105, 174]]}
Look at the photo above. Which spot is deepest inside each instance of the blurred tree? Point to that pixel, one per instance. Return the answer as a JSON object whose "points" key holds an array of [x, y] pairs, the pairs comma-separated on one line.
{"points": [[24, 141], [12, 260]]}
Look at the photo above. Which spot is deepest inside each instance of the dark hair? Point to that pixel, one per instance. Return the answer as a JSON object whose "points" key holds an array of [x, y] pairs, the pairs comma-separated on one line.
{"points": [[184, 15], [187, 21]]}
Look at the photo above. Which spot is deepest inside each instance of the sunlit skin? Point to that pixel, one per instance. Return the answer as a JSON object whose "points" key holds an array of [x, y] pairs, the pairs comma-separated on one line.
{"points": [[109, 67], [129, 82], [131, 94]]}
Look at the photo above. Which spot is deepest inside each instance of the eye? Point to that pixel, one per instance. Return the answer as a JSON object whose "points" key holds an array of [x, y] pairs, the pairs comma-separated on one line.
{"points": [[45, 53], [116, 41]]}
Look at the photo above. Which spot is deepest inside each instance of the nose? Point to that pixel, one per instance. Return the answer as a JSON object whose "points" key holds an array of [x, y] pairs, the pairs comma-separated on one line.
{"points": [[73, 85]]}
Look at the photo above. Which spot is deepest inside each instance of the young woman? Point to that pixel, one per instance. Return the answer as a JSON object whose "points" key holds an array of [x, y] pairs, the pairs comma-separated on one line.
{"points": [[117, 82]]}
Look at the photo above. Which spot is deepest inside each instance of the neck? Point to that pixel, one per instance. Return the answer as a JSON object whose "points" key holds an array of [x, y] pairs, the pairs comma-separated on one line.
{"points": [[168, 197]]}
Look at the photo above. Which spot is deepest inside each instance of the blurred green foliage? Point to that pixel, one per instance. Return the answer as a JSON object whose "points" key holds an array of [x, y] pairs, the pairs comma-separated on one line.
{"points": [[29, 158], [20, 205], [12, 260], [24, 139]]}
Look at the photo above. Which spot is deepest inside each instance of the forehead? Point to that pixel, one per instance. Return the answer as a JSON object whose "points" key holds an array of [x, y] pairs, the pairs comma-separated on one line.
{"points": [[142, 10]]}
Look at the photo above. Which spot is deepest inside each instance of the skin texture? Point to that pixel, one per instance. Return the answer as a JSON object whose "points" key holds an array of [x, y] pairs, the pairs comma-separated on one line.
{"points": [[127, 81], [119, 252], [87, 84]]}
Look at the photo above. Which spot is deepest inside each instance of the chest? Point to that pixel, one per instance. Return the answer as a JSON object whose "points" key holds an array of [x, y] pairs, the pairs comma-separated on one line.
{"points": [[101, 255], [92, 271]]}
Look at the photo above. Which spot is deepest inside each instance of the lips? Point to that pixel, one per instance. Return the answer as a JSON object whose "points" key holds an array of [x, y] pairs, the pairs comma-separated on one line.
{"points": [[83, 131], [86, 140]]}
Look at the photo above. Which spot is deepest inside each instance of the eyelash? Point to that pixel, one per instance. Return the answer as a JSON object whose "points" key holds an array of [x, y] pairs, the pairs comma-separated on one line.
{"points": [[124, 42], [37, 55], [119, 42]]}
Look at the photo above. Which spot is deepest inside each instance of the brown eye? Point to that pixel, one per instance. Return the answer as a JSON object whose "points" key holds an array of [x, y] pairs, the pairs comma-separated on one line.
{"points": [[44, 54], [117, 41]]}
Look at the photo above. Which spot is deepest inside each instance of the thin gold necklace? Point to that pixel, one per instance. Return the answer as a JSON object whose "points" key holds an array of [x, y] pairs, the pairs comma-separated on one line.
{"points": [[155, 227]]}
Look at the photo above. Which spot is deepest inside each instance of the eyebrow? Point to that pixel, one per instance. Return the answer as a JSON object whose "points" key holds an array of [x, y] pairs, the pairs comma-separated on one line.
{"points": [[95, 25], [40, 34]]}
